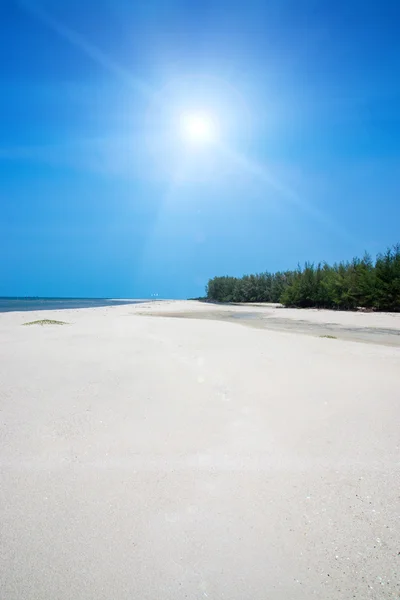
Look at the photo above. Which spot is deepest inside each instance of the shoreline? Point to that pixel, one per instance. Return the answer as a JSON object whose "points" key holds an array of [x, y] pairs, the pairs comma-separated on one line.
{"points": [[31, 304], [372, 328]]}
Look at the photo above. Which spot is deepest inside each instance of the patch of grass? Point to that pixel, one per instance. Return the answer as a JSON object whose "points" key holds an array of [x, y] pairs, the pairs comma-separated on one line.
{"points": [[330, 337], [46, 322]]}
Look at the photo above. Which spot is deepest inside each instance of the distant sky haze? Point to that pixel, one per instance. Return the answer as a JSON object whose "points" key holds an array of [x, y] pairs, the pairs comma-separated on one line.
{"points": [[146, 146]]}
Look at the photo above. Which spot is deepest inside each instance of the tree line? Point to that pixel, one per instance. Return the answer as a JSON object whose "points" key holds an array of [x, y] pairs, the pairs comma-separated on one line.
{"points": [[362, 282]]}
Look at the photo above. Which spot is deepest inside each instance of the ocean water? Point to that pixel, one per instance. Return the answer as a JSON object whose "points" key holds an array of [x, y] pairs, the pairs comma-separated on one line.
{"points": [[26, 304]]}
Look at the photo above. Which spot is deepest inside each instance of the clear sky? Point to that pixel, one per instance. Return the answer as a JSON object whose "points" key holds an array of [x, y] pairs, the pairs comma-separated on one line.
{"points": [[102, 191]]}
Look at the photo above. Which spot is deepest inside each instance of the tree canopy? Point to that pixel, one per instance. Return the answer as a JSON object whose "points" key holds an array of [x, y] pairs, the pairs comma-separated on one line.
{"points": [[346, 285]]}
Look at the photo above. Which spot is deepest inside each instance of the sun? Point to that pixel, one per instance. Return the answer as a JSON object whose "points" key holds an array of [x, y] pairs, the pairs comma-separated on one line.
{"points": [[198, 127]]}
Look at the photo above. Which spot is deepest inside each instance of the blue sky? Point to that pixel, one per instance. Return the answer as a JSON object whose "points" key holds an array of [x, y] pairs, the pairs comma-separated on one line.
{"points": [[100, 193]]}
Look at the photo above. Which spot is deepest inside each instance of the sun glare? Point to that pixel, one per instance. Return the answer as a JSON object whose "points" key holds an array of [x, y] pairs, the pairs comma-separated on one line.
{"points": [[198, 128]]}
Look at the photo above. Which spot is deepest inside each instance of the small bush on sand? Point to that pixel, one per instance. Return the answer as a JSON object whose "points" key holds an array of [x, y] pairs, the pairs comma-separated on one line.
{"points": [[46, 322]]}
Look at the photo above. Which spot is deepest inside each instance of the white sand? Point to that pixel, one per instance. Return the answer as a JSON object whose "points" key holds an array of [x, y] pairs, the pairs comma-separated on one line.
{"points": [[167, 458], [381, 328]]}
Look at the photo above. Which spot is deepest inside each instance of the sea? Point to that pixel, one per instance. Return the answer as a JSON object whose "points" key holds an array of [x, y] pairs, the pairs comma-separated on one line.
{"points": [[27, 304]]}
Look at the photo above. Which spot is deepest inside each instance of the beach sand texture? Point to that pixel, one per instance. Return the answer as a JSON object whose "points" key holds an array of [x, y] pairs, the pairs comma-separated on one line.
{"points": [[180, 450]]}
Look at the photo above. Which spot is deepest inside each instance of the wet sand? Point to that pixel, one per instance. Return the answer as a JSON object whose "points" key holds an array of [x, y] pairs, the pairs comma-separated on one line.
{"points": [[375, 328]]}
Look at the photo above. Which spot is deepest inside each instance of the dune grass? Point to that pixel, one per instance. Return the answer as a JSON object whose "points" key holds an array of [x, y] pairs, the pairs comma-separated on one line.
{"points": [[46, 322], [329, 337]]}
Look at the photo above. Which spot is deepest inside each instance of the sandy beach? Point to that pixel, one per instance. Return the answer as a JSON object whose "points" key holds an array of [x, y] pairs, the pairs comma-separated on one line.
{"points": [[177, 449]]}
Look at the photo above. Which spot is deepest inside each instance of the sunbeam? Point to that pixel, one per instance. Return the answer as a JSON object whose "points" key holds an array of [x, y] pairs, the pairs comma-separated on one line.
{"points": [[263, 174], [76, 39]]}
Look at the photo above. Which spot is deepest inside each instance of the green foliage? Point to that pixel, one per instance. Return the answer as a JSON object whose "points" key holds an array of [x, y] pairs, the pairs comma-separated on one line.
{"points": [[329, 337], [45, 322], [345, 286]]}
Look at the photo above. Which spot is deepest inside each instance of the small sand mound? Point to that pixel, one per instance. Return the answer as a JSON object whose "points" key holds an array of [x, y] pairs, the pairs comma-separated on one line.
{"points": [[46, 322]]}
